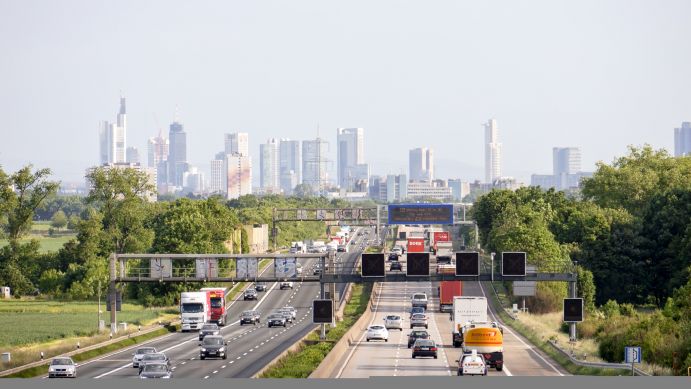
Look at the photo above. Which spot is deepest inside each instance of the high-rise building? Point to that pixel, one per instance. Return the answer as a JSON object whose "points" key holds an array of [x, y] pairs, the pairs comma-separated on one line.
{"points": [[314, 163], [193, 180], [269, 165], [492, 152], [351, 157], [238, 175], [459, 189], [133, 155], [157, 150], [113, 138], [177, 156], [237, 143], [682, 140], [421, 164], [566, 160], [290, 165], [217, 183]]}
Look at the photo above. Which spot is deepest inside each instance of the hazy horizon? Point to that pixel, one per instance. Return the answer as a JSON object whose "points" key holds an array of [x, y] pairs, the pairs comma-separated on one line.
{"points": [[599, 75]]}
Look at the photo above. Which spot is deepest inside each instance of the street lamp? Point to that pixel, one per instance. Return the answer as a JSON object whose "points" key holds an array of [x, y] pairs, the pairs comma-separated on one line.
{"points": [[492, 269]]}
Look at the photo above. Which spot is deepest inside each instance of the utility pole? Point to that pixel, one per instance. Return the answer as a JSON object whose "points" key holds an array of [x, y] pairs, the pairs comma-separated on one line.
{"points": [[574, 292], [98, 325]]}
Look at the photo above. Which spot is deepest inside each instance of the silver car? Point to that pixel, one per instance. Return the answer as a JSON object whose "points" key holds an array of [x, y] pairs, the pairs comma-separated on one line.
{"points": [[139, 354], [293, 312], [155, 370], [393, 321], [62, 367], [418, 320], [153, 358]]}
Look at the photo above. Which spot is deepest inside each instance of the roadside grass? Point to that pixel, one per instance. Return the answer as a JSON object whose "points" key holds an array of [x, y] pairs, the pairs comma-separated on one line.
{"points": [[540, 341], [43, 369], [303, 361]]}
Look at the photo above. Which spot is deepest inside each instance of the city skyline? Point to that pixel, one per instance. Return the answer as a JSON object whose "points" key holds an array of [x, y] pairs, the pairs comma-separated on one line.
{"points": [[594, 87]]}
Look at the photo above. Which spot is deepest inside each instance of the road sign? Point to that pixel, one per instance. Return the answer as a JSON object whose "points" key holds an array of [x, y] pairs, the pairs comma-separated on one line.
{"points": [[285, 267], [373, 265], [525, 288], [206, 267], [513, 263], [247, 268], [321, 214], [301, 214], [633, 354], [468, 264], [417, 264], [161, 268], [322, 311], [573, 310], [420, 213], [118, 301]]}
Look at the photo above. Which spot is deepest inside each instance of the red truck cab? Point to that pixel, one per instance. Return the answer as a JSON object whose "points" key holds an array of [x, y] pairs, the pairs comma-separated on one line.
{"points": [[217, 304]]}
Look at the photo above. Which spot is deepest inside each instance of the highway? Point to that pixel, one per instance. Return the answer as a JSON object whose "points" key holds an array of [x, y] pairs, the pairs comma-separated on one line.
{"points": [[371, 359], [250, 347]]}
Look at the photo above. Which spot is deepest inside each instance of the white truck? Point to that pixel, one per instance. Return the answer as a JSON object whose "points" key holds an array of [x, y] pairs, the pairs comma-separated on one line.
{"points": [[297, 248], [194, 310], [444, 252], [466, 309]]}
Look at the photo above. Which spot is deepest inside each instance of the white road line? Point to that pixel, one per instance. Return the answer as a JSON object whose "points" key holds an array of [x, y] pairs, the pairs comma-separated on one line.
{"points": [[214, 372], [223, 367], [233, 361], [506, 328], [238, 358], [206, 377]]}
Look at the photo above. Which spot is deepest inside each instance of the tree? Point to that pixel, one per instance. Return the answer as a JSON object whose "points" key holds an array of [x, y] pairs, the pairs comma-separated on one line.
{"points": [[59, 220], [73, 222], [303, 191]]}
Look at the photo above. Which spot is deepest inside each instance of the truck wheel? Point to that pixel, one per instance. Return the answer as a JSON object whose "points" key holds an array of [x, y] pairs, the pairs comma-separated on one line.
{"points": [[499, 366], [225, 356], [460, 372], [202, 357]]}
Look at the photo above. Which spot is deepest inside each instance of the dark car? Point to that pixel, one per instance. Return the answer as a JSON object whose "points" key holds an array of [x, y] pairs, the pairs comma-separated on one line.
{"points": [[393, 257], [249, 317], [260, 287], [213, 346], [276, 320], [424, 348], [395, 265], [250, 294], [415, 335], [155, 370], [153, 358], [209, 329]]}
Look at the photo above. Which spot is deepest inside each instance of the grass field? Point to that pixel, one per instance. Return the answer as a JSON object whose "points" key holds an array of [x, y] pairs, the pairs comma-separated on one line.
{"points": [[39, 231], [25, 322]]}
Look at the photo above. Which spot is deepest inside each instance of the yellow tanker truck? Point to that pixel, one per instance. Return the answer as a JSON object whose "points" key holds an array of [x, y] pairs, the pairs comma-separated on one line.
{"points": [[487, 339]]}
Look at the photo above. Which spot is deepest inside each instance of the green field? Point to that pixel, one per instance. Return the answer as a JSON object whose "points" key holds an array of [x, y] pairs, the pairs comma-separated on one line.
{"points": [[48, 243], [30, 322]]}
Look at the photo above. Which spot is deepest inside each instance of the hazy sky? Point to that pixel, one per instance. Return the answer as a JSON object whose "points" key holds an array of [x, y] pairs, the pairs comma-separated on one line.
{"points": [[596, 74]]}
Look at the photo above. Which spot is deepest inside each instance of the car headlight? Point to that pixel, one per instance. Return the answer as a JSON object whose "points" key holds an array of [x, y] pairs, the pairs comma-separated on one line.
{"points": [[203, 349], [143, 377], [51, 368], [222, 349]]}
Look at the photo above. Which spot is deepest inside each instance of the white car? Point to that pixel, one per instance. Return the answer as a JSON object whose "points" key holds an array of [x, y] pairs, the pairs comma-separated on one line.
{"points": [[419, 300], [298, 268], [286, 285], [418, 320], [139, 354], [377, 332], [393, 321], [397, 250], [62, 367], [472, 364], [293, 312]]}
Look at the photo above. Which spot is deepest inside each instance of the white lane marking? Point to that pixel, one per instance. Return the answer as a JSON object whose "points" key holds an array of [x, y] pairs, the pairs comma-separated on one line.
{"points": [[519, 339], [238, 358], [223, 367], [206, 377], [214, 372], [183, 363], [233, 361]]}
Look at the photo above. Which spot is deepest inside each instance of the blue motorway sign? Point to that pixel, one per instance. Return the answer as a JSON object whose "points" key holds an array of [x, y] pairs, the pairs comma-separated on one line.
{"points": [[420, 213], [633, 354]]}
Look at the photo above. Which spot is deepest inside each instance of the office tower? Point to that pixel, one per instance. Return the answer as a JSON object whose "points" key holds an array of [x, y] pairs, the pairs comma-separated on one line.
{"points": [[193, 180], [268, 165], [177, 154], [113, 138], [314, 163], [492, 152], [459, 189], [133, 155], [217, 181], [421, 164], [566, 160], [237, 143], [157, 150], [351, 157], [238, 176], [682, 140], [290, 165]]}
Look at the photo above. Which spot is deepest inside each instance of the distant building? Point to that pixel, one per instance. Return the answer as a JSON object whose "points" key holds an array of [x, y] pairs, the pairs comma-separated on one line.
{"points": [[237, 143], [290, 165], [217, 181], [157, 150], [150, 172], [427, 191], [682, 140], [239, 176], [269, 165], [133, 155], [459, 189], [390, 189], [177, 157], [193, 181], [113, 138], [314, 164], [566, 170], [421, 164], [492, 152], [257, 238], [352, 169]]}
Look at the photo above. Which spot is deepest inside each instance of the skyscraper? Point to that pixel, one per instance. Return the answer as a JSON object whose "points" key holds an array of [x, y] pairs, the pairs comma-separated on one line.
{"points": [[237, 143], [566, 160], [290, 165], [421, 164], [314, 163], [217, 183], [682, 140], [157, 150], [269, 165], [177, 156], [238, 175], [492, 152], [133, 155], [113, 138], [351, 157]]}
